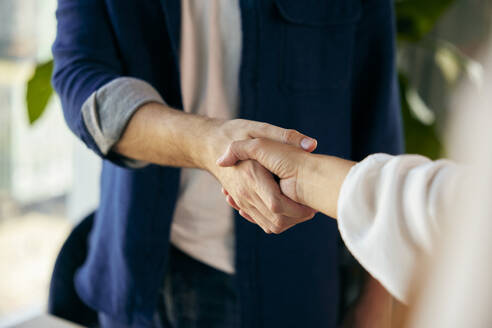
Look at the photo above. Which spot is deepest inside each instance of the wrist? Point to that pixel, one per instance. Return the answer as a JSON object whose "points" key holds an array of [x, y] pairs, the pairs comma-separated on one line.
{"points": [[213, 143], [321, 180], [305, 176]]}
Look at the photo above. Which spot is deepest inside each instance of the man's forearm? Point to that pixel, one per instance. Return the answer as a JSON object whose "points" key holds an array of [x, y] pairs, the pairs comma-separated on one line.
{"points": [[320, 180], [159, 134]]}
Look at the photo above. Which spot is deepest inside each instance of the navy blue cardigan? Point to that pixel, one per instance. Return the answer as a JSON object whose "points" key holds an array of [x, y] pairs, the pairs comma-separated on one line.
{"points": [[324, 67]]}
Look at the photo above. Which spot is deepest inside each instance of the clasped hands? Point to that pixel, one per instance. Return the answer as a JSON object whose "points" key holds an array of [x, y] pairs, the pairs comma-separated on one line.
{"points": [[274, 205]]}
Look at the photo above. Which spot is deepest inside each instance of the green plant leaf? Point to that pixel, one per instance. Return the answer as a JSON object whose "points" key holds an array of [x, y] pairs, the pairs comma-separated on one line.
{"points": [[420, 138], [39, 91], [416, 18], [453, 63]]}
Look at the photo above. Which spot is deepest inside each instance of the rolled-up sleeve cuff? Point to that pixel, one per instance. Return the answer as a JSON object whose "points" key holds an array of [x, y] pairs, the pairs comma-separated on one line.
{"points": [[107, 111]]}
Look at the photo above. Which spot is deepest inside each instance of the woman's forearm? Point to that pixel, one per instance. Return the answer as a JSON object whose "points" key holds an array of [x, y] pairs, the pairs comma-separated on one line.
{"points": [[320, 180]]}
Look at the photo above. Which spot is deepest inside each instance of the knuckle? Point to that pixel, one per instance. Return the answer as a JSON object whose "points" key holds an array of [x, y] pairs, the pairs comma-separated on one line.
{"points": [[275, 206], [262, 126], [233, 145], [278, 221], [289, 135], [281, 220], [239, 124], [249, 170], [239, 121], [311, 216], [242, 193], [234, 149], [277, 229], [256, 143]]}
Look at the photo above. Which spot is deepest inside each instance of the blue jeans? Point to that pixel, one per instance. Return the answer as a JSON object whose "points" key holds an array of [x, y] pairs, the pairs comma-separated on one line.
{"points": [[194, 295]]}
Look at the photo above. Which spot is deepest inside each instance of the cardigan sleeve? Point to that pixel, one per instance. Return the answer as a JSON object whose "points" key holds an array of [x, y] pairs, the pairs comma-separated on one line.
{"points": [[97, 98], [107, 111], [389, 212], [85, 59]]}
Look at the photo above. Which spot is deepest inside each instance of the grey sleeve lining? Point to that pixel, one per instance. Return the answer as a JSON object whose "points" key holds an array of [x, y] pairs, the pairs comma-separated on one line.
{"points": [[108, 110]]}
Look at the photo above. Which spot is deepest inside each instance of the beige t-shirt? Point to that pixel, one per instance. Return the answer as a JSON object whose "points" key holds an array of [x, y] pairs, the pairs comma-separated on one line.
{"points": [[203, 225]]}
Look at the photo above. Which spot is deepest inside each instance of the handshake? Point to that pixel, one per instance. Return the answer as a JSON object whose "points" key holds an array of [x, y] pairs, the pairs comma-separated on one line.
{"points": [[273, 179]]}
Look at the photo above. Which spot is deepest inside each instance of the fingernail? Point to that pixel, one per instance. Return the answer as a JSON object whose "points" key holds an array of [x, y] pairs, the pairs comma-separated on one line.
{"points": [[307, 143]]}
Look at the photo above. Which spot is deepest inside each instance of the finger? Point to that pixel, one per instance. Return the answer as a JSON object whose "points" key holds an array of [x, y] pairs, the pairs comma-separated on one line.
{"points": [[246, 216], [277, 223], [273, 133], [232, 203], [241, 151], [272, 155], [254, 214], [268, 201], [260, 219], [292, 209], [279, 204], [288, 222], [280, 222], [287, 136]]}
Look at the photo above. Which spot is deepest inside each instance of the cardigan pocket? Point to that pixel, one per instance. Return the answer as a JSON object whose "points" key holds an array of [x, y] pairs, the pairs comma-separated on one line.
{"points": [[318, 41]]}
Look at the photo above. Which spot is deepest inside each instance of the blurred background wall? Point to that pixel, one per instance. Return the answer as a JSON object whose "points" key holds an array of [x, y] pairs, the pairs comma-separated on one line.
{"points": [[434, 66], [48, 180]]}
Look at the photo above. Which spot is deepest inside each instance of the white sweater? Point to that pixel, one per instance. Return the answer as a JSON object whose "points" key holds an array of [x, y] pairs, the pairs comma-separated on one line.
{"points": [[389, 210]]}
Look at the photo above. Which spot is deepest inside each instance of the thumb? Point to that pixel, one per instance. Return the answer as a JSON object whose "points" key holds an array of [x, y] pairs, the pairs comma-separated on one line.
{"points": [[287, 136], [238, 151]]}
